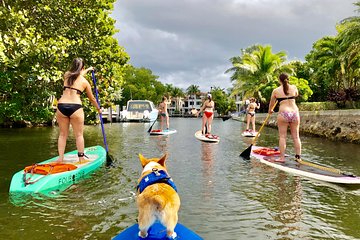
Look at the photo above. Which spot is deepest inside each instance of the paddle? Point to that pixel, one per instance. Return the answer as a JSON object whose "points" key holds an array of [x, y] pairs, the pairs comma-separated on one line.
{"points": [[334, 170], [246, 153], [224, 118], [152, 126], [109, 158]]}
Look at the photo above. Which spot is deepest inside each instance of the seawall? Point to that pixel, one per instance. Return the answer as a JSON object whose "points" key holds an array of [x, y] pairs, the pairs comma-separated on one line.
{"points": [[336, 125]]}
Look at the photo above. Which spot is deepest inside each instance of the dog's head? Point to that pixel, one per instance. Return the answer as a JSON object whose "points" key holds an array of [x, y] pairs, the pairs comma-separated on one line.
{"points": [[149, 164]]}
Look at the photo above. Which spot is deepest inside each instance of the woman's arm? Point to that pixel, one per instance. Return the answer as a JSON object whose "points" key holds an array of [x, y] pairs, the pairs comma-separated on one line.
{"points": [[91, 97], [201, 108], [84, 72], [272, 102], [296, 91]]}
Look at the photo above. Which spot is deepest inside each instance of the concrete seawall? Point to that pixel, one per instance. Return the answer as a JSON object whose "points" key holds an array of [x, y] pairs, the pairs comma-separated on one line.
{"points": [[336, 125]]}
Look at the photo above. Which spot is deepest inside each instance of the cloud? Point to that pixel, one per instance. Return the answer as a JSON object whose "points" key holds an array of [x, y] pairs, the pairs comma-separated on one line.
{"points": [[191, 41]]}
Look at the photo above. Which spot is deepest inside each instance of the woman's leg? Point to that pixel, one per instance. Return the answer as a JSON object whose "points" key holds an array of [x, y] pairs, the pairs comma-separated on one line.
{"points": [[77, 123], [203, 130], [64, 123], [253, 123], [294, 130], [209, 123], [161, 122], [167, 121], [248, 117], [282, 127]]}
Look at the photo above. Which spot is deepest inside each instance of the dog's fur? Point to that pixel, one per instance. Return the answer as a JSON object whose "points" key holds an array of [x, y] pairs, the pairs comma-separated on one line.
{"points": [[158, 201]]}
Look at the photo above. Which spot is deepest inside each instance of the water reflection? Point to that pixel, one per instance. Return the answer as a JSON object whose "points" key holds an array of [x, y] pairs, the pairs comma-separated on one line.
{"points": [[162, 143], [286, 206], [223, 197], [207, 160]]}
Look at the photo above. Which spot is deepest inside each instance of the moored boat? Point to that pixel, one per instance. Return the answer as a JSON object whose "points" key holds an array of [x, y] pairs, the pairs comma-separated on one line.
{"points": [[139, 111]]}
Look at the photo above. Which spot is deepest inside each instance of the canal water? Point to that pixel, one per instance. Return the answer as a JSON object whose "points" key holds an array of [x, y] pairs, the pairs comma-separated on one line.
{"points": [[222, 196]]}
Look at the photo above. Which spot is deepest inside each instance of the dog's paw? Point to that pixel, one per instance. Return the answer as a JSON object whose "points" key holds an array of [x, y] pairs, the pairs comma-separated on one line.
{"points": [[173, 236], [139, 234]]}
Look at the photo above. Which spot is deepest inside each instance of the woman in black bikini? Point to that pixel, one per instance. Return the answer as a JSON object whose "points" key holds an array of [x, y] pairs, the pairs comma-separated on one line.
{"points": [[69, 108], [250, 116], [163, 113]]}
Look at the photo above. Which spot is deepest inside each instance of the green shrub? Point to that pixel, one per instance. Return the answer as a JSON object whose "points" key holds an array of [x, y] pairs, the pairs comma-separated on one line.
{"points": [[317, 106]]}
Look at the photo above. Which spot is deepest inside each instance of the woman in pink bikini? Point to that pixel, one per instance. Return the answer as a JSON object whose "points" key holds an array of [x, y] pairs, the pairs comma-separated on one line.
{"points": [[288, 115], [208, 108]]}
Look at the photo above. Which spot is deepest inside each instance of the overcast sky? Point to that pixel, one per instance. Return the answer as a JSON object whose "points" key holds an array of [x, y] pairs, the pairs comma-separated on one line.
{"points": [[188, 42]]}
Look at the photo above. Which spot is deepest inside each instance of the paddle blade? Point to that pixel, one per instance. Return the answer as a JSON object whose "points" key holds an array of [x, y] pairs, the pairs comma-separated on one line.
{"points": [[151, 126], [224, 118], [109, 160], [246, 153]]}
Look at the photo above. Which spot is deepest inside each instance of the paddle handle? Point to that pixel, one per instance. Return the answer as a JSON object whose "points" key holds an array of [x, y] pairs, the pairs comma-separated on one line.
{"points": [[100, 114], [262, 126]]}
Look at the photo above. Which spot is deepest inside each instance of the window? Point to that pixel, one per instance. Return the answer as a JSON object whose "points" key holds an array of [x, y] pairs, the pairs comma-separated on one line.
{"points": [[139, 106]]}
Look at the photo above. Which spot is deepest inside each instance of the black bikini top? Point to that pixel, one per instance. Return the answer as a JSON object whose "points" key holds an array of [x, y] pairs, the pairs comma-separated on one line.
{"points": [[77, 90], [285, 98]]}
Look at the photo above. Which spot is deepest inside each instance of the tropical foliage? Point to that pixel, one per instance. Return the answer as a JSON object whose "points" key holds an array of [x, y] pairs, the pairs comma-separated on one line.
{"points": [[141, 84], [193, 90], [335, 63], [38, 41], [223, 104], [256, 72]]}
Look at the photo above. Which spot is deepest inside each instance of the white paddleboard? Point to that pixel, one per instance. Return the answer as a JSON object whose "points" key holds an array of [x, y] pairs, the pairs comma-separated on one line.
{"points": [[163, 132], [293, 167], [249, 134], [201, 137]]}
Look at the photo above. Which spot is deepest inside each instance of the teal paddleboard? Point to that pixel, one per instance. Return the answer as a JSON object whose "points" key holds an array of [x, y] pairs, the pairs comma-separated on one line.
{"points": [[57, 182]]}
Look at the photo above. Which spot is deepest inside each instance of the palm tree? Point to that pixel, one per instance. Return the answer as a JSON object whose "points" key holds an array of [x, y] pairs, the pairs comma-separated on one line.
{"points": [[349, 41], [324, 60], [177, 93], [193, 90], [258, 69]]}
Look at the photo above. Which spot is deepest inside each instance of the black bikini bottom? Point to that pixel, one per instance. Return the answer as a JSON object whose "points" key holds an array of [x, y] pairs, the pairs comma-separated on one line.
{"points": [[68, 108]]}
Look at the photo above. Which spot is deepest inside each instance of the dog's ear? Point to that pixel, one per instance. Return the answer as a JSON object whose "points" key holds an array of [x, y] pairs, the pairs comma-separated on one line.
{"points": [[162, 160], [143, 160]]}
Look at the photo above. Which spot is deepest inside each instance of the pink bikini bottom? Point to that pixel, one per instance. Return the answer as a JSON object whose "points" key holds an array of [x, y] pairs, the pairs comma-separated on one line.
{"points": [[290, 116]]}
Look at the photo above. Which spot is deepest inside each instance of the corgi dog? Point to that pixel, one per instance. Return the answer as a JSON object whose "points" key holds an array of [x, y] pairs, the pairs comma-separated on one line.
{"points": [[157, 197]]}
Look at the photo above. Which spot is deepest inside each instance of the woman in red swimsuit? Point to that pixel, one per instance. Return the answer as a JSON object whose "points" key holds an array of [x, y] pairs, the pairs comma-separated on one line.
{"points": [[208, 108], [69, 108]]}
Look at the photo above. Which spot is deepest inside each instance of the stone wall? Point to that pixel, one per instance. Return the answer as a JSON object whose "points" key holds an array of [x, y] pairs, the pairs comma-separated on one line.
{"points": [[337, 125]]}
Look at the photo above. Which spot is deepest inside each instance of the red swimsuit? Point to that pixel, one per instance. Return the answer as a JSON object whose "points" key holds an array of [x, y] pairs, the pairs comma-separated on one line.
{"points": [[208, 114]]}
